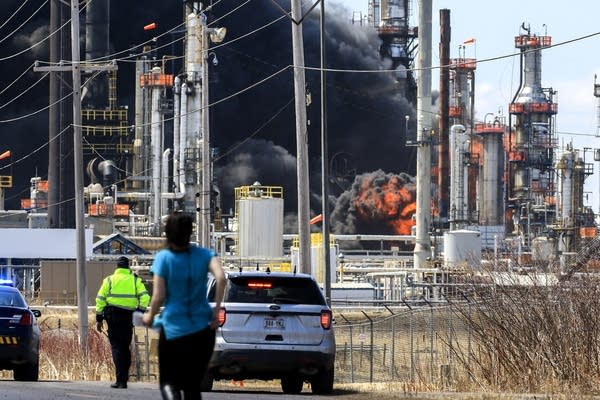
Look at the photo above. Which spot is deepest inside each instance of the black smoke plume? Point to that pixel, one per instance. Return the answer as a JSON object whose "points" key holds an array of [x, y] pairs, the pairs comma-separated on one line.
{"points": [[254, 132]]}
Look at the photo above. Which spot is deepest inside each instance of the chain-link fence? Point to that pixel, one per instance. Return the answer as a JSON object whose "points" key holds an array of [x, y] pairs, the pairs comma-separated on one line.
{"points": [[425, 345]]}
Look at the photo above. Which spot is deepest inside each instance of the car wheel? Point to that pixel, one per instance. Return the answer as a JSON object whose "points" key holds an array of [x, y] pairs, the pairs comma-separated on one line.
{"points": [[292, 384], [27, 372], [322, 383], [207, 382]]}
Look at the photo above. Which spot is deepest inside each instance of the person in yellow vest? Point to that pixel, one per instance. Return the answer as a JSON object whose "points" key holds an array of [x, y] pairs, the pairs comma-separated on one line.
{"points": [[120, 294]]}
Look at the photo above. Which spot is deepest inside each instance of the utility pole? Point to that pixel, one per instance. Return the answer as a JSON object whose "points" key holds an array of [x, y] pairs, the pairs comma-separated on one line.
{"points": [[325, 163], [82, 297], [422, 246], [78, 172], [54, 119], [304, 263], [597, 152]]}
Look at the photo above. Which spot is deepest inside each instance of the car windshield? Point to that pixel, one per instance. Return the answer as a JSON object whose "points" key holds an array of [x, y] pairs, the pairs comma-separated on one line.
{"points": [[278, 290], [11, 298]]}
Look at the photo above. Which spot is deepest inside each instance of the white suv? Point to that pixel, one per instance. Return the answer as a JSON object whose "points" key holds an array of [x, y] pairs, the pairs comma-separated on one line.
{"points": [[274, 325]]}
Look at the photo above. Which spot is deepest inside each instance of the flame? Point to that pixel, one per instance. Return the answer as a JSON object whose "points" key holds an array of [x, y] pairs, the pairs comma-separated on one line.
{"points": [[389, 200]]}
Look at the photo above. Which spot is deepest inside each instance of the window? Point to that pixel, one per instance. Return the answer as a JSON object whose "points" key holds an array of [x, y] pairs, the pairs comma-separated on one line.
{"points": [[278, 290]]}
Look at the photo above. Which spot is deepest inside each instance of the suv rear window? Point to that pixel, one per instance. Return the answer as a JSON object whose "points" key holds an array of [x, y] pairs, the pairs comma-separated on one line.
{"points": [[249, 289]]}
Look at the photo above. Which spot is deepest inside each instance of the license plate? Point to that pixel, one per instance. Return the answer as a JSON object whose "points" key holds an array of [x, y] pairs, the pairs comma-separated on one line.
{"points": [[274, 323]]}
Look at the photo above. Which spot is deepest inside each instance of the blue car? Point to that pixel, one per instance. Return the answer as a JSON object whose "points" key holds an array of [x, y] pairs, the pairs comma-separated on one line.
{"points": [[19, 335]]}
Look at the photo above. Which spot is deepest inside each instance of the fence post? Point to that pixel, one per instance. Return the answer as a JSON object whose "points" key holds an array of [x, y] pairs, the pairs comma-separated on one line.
{"points": [[371, 327], [392, 351], [430, 339], [351, 349], [410, 329], [449, 329], [469, 350]]}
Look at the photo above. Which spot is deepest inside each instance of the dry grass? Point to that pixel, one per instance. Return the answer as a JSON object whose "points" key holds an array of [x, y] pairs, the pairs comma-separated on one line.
{"points": [[536, 338], [525, 339], [61, 357]]}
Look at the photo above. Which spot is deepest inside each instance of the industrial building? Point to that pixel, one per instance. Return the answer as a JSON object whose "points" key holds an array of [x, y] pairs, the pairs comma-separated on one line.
{"points": [[501, 186]]}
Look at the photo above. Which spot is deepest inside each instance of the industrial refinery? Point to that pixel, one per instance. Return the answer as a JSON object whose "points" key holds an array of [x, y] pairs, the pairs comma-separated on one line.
{"points": [[498, 191]]}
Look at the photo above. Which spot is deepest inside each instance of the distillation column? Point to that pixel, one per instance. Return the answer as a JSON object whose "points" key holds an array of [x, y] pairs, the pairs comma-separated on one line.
{"points": [[157, 82], [459, 147], [532, 145], [390, 19], [460, 113], [491, 204]]}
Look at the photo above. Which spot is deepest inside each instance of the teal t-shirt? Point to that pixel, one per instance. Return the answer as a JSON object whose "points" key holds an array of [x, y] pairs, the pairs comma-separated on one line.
{"points": [[186, 309]]}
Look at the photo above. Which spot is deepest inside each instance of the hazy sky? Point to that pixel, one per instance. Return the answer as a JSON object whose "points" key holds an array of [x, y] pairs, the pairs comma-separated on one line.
{"points": [[568, 68]]}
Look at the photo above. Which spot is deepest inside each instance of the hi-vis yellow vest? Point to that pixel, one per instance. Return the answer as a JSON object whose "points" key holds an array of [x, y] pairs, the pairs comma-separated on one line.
{"points": [[122, 289]]}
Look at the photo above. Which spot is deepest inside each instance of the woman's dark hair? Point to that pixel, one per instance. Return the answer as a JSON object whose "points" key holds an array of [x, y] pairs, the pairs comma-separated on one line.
{"points": [[178, 229]]}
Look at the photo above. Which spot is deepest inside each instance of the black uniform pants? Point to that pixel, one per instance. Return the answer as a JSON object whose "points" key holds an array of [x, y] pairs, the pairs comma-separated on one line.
{"points": [[120, 332]]}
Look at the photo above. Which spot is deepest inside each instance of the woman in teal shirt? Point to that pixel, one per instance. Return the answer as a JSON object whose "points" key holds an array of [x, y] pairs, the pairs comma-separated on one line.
{"points": [[187, 323]]}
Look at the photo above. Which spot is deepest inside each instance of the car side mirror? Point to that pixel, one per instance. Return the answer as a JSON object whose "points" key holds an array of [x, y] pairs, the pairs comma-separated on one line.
{"points": [[37, 313]]}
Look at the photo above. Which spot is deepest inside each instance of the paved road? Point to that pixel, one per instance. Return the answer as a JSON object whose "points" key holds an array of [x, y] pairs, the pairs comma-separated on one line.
{"points": [[54, 390], [66, 390]]}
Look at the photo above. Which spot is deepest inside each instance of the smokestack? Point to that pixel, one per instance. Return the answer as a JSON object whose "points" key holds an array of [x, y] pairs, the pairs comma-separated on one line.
{"points": [[97, 45], [443, 187]]}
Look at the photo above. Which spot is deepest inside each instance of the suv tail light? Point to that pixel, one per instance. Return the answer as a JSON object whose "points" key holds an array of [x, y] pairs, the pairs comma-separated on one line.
{"points": [[222, 317], [326, 319], [26, 320]]}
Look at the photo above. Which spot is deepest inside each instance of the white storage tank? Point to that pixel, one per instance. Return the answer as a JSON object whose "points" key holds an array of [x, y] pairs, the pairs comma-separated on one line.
{"points": [[462, 247], [260, 221], [543, 248]]}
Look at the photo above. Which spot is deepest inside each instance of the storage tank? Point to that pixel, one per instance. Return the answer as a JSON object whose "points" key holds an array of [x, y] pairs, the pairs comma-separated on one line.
{"points": [[462, 247], [543, 248], [259, 211]]}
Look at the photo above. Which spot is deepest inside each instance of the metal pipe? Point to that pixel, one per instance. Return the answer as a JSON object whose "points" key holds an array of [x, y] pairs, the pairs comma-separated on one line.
{"points": [[165, 180], [176, 132], [149, 195], [156, 145], [206, 179], [183, 137]]}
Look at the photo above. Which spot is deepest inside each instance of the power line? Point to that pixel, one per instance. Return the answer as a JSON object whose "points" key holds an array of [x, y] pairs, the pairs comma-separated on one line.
{"points": [[483, 60], [24, 22], [19, 77], [24, 91], [14, 13], [36, 44]]}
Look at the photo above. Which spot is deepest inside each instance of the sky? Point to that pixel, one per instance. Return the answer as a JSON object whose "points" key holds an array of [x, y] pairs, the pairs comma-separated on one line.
{"points": [[568, 68]]}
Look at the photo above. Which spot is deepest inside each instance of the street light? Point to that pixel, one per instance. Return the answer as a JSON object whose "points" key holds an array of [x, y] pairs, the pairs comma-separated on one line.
{"points": [[217, 34]]}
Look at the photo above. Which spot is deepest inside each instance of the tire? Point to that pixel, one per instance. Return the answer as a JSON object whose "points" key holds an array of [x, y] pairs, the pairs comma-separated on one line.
{"points": [[292, 384], [207, 382], [27, 372], [322, 383]]}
